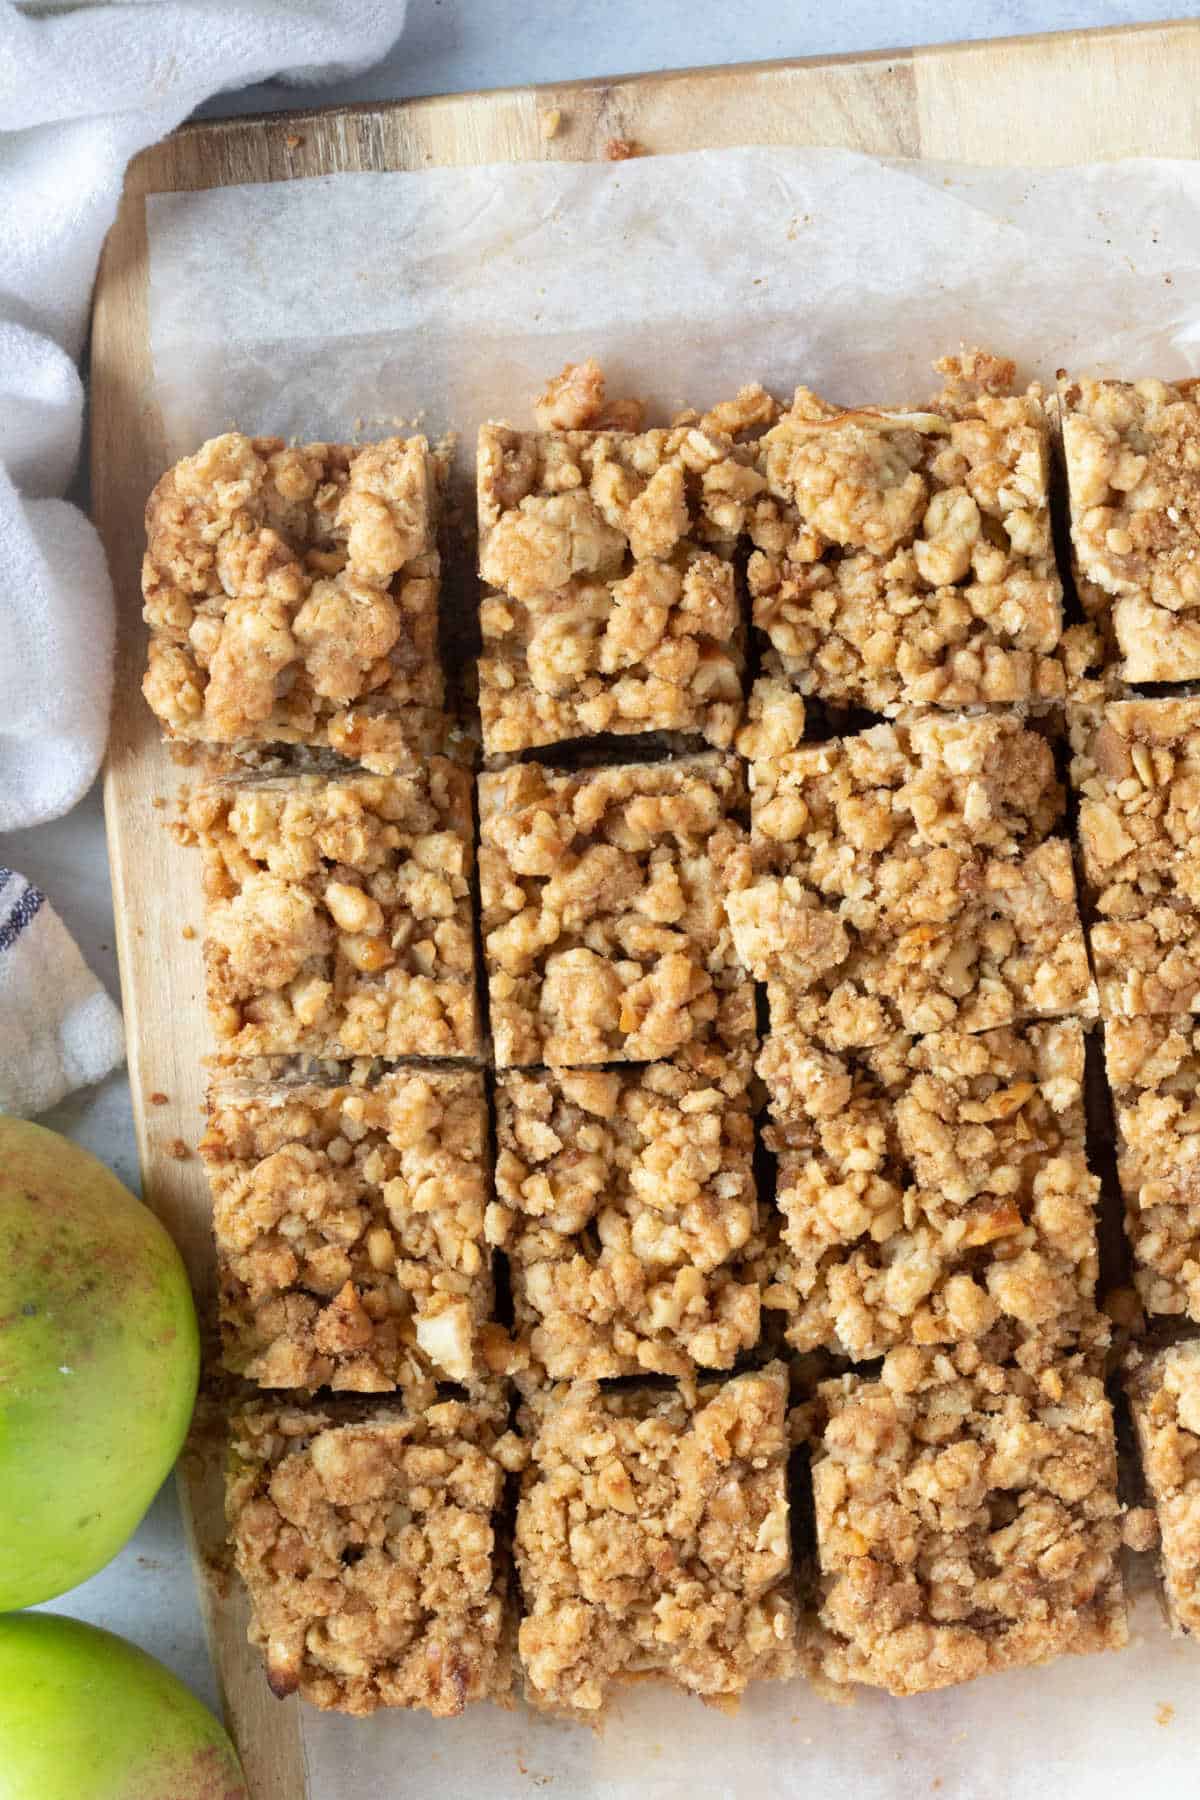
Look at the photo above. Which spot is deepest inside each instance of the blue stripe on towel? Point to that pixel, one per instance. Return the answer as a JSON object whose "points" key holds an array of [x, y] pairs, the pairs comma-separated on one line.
{"points": [[29, 904]]}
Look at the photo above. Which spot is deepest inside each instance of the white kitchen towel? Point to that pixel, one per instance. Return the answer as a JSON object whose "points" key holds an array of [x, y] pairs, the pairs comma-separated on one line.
{"points": [[58, 1028], [81, 91]]}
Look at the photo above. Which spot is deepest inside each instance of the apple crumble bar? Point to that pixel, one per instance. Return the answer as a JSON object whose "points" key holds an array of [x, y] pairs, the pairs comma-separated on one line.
{"points": [[936, 1191], [1136, 767], [1132, 453], [367, 1539], [349, 1224], [338, 913], [604, 927], [653, 1537], [292, 595], [905, 878], [624, 1202], [1164, 1395], [1154, 1073], [903, 558], [612, 602], [967, 1520]]}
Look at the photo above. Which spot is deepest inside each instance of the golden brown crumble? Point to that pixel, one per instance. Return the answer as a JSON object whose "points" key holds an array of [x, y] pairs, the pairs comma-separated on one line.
{"points": [[292, 595], [653, 1537], [1136, 767], [1132, 451], [935, 1191], [904, 877], [1164, 1396], [903, 558], [604, 924], [1154, 1073], [338, 913], [967, 1520], [349, 1224], [367, 1541], [625, 1202], [608, 555]]}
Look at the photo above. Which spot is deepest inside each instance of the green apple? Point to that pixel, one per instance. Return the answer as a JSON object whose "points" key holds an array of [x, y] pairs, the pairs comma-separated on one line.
{"points": [[99, 1358], [86, 1716]]}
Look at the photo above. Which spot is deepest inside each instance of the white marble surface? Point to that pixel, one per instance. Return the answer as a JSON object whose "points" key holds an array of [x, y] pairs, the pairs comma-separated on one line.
{"points": [[451, 45]]}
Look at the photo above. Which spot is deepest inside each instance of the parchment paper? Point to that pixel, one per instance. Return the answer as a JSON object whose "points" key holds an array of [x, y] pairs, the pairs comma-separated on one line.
{"points": [[336, 307]]}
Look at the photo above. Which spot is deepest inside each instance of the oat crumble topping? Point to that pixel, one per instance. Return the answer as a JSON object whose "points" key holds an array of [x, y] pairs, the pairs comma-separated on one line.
{"points": [[1154, 1073], [1164, 1398], [292, 595], [903, 558], [604, 927], [338, 914], [1132, 451], [653, 1536], [625, 1203], [349, 1224], [967, 1520], [367, 1541]]}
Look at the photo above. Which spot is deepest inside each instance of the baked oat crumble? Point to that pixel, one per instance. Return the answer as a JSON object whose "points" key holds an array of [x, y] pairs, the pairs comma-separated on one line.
{"points": [[903, 558], [292, 595], [967, 1520], [1154, 1073], [935, 1191], [349, 1224], [338, 913], [625, 1202], [604, 927], [1164, 1394], [1132, 452], [653, 1537], [367, 1541]]}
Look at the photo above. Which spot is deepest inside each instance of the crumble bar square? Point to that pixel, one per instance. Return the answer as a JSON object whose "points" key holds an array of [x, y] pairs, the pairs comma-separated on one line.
{"points": [[292, 596], [1132, 453], [613, 604], [653, 1537], [626, 1203], [604, 926], [935, 1191], [967, 1520], [1154, 1072], [367, 1539], [1164, 1396], [1136, 766], [903, 558], [338, 914], [905, 878], [349, 1224]]}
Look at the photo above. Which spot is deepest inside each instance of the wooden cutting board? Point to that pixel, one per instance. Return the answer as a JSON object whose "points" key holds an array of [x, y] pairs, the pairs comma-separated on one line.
{"points": [[1083, 97]]}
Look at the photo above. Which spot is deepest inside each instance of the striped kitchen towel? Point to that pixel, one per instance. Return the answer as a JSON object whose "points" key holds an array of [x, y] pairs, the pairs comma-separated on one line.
{"points": [[58, 1028]]}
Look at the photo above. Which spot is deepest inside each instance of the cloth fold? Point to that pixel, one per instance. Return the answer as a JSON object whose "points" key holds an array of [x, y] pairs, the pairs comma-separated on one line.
{"points": [[82, 91]]}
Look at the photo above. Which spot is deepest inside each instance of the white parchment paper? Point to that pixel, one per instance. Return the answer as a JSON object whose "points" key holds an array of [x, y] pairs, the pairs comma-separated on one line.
{"points": [[331, 308]]}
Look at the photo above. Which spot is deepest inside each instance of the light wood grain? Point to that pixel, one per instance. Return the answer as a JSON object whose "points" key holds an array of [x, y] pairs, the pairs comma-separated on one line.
{"points": [[1030, 101]]}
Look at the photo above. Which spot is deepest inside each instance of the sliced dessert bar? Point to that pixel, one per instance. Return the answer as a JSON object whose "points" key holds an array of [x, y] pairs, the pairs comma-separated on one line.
{"points": [[1154, 1073], [1164, 1395]]}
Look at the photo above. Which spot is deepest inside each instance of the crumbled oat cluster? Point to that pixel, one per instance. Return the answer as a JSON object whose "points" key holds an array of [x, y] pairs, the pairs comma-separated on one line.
{"points": [[604, 926], [608, 556], [367, 1541], [349, 1224], [935, 1191], [625, 1203], [903, 558], [338, 914], [1136, 767], [1132, 451], [904, 878], [653, 1537], [1154, 1072], [1164, 1395], [967, 1520], [292, 595]]}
